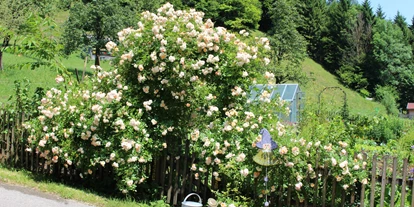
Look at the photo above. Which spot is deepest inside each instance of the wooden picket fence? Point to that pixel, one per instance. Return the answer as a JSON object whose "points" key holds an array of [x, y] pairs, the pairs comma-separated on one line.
{"points": [[390, 185]]}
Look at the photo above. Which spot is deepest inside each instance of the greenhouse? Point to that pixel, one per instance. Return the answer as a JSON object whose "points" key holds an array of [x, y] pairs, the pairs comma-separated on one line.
{"points": [[288, 92]]}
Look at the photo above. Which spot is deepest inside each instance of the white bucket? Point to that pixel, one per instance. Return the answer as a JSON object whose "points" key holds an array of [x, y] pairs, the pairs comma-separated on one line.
{"points": [[186, 203]]}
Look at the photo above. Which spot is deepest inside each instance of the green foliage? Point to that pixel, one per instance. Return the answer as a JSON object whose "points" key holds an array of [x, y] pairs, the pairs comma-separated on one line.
{"points": [[388, 97], [338, 43], [400, 21], [379, 13], [406, 142], [41, 45], [233, 14], [320, 79], [312, 24], [392, 57], [352, 77], [288, 45], [92, 23], [387, 129]]}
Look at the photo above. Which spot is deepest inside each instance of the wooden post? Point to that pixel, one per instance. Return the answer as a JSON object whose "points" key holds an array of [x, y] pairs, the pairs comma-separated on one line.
{"points": [[289, 198], [170, 174], [316, 196], [394, 181], [12, 146], [333, 192], [162, 173], [2, 136], [23, 142], [205, 184], [325, 177], [177, 180], [373, 180], [7, 139], [362, 202], [383, 180], [404, 180], [353, 193], [412, 194], [185, 166]]}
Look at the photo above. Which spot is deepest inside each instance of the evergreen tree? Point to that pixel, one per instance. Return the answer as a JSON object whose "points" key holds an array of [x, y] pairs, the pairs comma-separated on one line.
{"points": [[313, 23], [399, 20], [288, 45], [338, 45], [379, 13]]}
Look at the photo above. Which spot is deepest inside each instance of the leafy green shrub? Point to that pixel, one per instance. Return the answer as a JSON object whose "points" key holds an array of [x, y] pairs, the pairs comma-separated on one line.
{"points": [[388, 97]]}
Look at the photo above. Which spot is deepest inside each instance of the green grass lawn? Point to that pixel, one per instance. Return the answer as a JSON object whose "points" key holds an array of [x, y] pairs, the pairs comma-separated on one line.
{"points": [[37, 182], [333, 99], [40, 77]]}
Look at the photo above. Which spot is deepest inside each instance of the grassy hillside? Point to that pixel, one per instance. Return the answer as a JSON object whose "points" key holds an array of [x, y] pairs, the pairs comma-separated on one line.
{"points": [[319, 79], [334, 98], [40, 77]]}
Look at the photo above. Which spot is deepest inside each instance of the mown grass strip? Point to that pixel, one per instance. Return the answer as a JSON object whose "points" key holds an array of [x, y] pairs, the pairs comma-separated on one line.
{"points": [[26, 179]]}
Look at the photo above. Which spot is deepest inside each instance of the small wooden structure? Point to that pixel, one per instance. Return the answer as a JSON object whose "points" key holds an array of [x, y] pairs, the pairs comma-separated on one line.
{"points": [[410, 110]]}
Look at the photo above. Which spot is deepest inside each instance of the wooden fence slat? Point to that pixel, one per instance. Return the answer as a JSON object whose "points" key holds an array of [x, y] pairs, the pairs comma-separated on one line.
{"points": [[412, 193], [22, 144], [373, 180], [383, 180], [205, 184], [176, 187], [13, 144], [325, 174], [316, 197], [163, 173], [289, 198], [32, 154], [352, 194], [170, 176], [2, 136], [280, 193], [7, 139], [343, 197], [362, 204], [394, 180], [185, 167], [333, 192], [190, 183], [404, 180], [27, 160]]}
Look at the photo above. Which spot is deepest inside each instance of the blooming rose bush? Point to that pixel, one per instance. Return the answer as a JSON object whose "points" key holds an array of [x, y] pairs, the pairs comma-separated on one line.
{"points": [[174, 74], [179, 79], [192, 80], [92, 125]]}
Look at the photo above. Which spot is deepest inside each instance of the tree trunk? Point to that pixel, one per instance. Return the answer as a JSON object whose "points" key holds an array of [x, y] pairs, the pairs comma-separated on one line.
{"points": [[6, 41], [1, 60], [97, 56]]}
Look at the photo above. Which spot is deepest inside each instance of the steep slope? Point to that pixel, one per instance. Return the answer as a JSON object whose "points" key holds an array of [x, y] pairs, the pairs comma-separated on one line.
{"points": [[333, 98]]}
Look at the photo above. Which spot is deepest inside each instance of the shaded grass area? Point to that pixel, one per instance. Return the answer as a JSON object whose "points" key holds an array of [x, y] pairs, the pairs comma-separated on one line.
{"points": [[333, 98], [39, 77], [44, 184]]}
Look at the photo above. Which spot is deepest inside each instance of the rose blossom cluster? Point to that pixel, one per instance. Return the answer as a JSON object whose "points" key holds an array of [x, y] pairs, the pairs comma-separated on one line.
{"points": [[92, 125]]}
